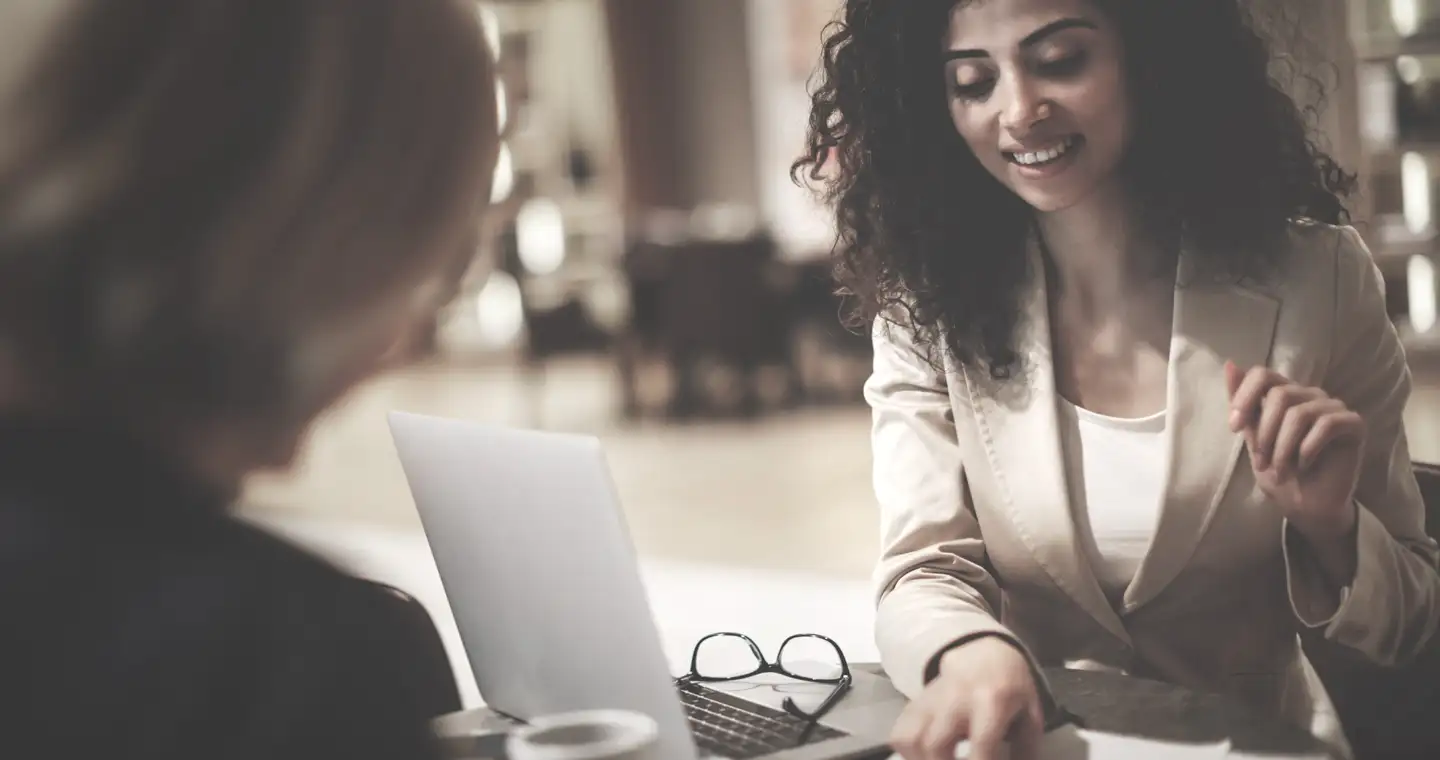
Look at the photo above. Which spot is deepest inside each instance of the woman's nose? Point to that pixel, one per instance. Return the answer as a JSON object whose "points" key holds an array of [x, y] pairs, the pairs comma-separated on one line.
{"points": [[1022, 109]]}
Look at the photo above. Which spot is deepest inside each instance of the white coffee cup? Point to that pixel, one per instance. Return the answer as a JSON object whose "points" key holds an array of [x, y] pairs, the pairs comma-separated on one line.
{"points": [[587, 735]]}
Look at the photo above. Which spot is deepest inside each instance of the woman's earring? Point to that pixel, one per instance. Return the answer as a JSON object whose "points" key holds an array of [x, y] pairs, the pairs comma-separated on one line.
{"points": [[1042, 112]]}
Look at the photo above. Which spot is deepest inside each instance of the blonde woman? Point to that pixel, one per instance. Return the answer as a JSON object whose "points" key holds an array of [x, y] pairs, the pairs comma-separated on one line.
{"points": [[216, 217]]}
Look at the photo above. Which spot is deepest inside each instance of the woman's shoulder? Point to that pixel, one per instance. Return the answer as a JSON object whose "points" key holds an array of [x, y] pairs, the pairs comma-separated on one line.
{"points": [[1319, 261], [1327, 285], [225, 624], [296, 605], [302, 592], [1324, 249], [340, 648]]}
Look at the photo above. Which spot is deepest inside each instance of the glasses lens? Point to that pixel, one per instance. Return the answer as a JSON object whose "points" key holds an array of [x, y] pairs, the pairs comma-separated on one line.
{"points": [[812, 658], [725, 657]]}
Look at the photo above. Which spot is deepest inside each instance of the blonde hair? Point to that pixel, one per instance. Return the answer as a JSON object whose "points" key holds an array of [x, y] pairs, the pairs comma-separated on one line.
{"points": [[205, 203]]}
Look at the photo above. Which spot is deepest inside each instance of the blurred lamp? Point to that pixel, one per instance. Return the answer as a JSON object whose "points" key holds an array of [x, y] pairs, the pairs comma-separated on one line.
{"points": [[504, 181], [1415, 192], [1409, 68], [1405, 14], [502, 105], [607, 301], [499, 310], [540, 236], [1420, 286]]}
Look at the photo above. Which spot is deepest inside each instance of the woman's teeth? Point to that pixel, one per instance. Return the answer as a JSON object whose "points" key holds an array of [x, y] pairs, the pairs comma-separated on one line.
{"points": [[1041, 157]]}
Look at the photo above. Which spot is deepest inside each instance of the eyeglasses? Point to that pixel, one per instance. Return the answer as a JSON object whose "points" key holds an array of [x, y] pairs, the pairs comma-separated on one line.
{"points": [[805, 657]]}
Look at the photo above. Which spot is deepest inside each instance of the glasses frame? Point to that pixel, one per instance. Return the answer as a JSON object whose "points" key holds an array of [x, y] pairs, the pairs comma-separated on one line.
{"points": [[841, 682]]}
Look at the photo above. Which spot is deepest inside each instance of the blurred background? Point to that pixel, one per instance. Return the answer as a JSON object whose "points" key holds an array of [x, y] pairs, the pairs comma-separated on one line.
{"points": [[650, 274]]}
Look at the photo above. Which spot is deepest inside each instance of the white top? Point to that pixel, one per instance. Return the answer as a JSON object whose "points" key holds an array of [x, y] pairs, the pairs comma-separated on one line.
{"points": [[1115, 470]]}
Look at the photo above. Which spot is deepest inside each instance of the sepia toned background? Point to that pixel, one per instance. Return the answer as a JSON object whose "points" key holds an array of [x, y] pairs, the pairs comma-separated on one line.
{"points": [[651, 275]]}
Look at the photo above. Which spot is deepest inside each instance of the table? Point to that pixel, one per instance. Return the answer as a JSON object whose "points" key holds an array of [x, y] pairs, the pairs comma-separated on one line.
{"points": [[1121, 704], [691, 600], [1107, 702]]}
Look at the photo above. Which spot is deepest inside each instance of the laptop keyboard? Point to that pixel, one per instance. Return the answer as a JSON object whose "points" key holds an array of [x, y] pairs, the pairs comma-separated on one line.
{"points": [[730, 727]]}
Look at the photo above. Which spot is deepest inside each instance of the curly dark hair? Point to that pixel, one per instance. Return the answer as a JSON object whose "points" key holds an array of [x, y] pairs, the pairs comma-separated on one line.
{"points": [[1220, 153]]}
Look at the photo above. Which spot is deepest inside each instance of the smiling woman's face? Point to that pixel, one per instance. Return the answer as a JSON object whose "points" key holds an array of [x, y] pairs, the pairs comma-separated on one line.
{"points": [[1037, 90]]}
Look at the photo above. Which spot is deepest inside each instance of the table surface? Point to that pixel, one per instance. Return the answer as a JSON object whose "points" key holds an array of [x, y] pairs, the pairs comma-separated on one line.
{"points": [[692, 600], [1103, 701], [1120, 704]]}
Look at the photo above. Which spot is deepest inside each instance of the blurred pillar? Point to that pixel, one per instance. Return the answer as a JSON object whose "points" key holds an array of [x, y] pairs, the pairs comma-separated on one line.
{"points": [[643, 49], [684, 107]]}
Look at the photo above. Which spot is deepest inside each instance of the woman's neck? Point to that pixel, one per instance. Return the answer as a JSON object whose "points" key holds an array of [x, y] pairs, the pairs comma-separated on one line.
{"points": [[1101, 249]]}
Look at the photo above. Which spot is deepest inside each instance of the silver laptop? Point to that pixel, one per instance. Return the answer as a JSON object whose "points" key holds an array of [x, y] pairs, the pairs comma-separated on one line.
{"points": [[541, 574]]}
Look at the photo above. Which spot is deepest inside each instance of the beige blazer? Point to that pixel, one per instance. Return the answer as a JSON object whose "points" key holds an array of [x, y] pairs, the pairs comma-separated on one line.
{"points": [[977, 532]]}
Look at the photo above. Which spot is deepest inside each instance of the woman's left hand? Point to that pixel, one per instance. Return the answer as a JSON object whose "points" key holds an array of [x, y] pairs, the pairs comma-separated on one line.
{"points": [[1305, 449]]}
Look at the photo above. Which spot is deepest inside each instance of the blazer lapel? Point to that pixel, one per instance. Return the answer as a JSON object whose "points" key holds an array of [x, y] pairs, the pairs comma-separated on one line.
{"points": [[1212, 323], [1022, 436]]}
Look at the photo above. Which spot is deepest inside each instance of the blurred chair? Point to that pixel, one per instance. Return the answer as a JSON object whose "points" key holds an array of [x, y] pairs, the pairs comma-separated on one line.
{"points": [[695, 301], [435, 685], [721, 303], [1387, 712], [557, 327], [832, 360], [644, 266]]}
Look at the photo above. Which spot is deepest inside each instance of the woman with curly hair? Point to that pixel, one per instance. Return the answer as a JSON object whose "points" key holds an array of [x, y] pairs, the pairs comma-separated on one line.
{"points": [[1136, 398]]}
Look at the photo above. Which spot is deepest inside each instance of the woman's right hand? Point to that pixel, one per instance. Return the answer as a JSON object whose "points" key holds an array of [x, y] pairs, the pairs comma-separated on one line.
{"points": [[984, 692]]}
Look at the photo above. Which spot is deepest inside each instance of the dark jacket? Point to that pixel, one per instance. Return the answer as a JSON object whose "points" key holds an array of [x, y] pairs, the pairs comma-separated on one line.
{"points": [[139, 619]]}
